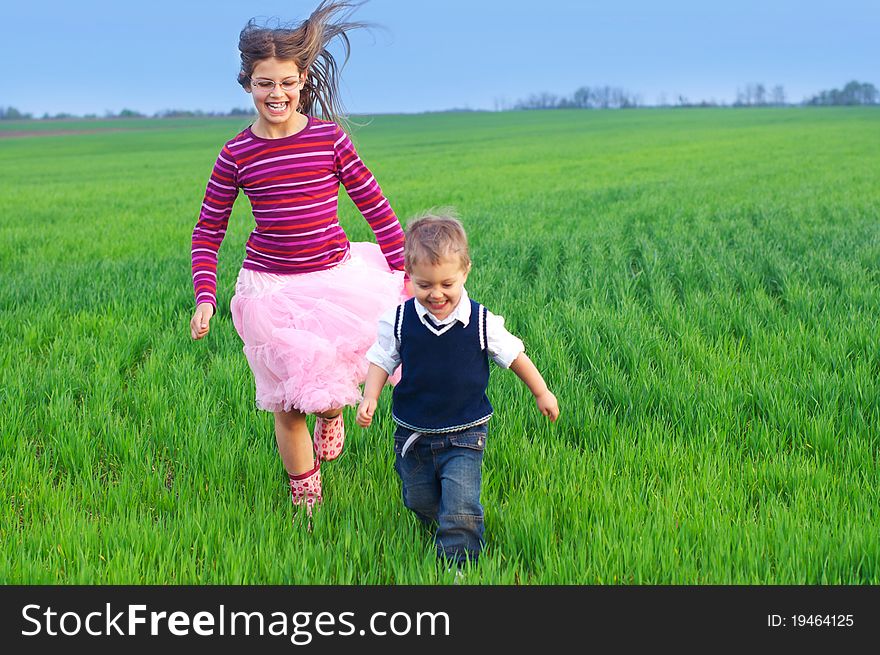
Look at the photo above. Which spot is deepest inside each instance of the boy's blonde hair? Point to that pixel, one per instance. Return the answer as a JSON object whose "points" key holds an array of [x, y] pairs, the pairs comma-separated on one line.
{"points": [[434, 235]]}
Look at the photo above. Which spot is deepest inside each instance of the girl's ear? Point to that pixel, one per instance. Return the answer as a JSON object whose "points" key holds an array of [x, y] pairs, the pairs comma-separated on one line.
{"points": [[246, 85], [303, 79]]}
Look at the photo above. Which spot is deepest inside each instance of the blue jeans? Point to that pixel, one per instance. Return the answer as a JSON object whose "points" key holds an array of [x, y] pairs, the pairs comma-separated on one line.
{"points": [[441, 476]]}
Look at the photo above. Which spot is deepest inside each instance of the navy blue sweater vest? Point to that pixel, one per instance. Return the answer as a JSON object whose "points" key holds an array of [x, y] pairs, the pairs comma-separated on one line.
{"points": [[443, 376]]}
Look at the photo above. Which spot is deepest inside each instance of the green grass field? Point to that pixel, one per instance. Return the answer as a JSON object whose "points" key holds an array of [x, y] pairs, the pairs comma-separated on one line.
{"points": [[700, 289]]}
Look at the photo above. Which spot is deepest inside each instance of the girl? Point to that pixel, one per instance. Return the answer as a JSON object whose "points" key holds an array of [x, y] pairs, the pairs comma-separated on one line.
{"points": [[307, 300]]}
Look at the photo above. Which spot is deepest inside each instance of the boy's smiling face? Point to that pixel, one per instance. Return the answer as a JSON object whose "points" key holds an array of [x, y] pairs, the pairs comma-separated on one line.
{"points": [[437, 287]]}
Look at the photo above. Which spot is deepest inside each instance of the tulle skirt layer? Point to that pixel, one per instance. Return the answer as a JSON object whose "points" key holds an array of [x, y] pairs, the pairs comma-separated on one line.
{"points": [[305, 336]]}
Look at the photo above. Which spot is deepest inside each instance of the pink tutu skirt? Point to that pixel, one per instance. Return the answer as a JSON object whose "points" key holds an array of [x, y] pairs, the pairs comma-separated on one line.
{"points": [[306, 336]]}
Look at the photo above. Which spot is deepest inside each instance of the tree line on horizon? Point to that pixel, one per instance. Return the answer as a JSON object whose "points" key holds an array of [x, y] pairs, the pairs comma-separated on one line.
{"points": [[752, 95], [11, 113], [586, 97]]}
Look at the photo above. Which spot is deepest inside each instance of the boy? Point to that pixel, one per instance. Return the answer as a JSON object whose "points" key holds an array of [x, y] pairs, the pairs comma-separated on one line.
{"points": [[443, 340]]}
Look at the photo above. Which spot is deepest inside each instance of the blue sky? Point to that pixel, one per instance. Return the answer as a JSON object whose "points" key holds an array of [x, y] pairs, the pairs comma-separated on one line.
{"points": [[93, 56]]}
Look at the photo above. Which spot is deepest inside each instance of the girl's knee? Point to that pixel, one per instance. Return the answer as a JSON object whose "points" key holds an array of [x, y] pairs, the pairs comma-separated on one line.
{"points": [[330, 413], [289, 419]]}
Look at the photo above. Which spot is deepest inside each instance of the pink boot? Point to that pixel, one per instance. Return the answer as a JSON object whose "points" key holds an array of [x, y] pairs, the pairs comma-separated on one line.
{"points": [[329, 437], [305, 488]]}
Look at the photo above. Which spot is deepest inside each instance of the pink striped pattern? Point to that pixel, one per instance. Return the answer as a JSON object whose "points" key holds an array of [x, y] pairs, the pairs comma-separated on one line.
{"points": [[293, 186]]}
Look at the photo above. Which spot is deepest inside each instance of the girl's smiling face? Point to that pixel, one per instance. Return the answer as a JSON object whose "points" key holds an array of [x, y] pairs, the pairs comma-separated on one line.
{"points": [[275, 87], [437, 287]]}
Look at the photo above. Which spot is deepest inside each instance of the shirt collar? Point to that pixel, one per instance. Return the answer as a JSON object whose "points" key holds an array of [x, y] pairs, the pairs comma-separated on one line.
{"points": [[462, 311]]}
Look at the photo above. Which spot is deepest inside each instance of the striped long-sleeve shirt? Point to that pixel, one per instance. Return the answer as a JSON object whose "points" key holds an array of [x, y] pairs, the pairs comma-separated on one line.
{"points": [[292, 184]]}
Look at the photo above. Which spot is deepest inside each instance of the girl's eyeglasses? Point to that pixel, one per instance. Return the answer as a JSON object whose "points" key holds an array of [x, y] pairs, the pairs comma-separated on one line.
{"points": [[267, 86]]}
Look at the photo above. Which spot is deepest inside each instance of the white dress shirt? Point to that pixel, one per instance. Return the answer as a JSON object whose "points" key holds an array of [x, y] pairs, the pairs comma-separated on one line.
{"points": [[503, 347]]}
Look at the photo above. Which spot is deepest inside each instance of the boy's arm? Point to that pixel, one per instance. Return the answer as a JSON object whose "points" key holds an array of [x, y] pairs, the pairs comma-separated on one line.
{"points": [[376, 378], [529, 374], [384, 358], [507, 351]]}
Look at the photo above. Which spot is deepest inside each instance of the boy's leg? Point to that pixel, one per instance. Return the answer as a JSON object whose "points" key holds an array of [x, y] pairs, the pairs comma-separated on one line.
{"points": [[421, 489], [460, 531]]}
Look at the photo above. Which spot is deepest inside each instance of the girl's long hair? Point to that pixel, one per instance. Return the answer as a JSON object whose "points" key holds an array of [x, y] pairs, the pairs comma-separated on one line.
{"points": [[306, 45]]}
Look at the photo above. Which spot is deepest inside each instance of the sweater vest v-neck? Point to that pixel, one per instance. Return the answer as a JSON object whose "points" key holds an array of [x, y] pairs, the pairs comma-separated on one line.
{"points": [[444, 372]]}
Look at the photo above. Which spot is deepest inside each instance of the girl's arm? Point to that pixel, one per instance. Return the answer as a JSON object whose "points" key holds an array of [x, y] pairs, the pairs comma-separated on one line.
{"points": [[207, 236], [198, 324], [528, 373], [376, 378], [365, 192]]}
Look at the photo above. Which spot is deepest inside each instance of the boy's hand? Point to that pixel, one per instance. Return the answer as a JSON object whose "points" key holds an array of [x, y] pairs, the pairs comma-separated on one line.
{"points": [[198, 325], [365, 412], [547, 405]]}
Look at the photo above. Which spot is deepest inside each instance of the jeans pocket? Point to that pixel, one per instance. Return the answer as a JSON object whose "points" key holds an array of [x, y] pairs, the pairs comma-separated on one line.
{"points": [[412, 464], [473, 439]]}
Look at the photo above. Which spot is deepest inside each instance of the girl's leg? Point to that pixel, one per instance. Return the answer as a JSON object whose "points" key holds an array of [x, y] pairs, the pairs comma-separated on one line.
{"points": [[294, 442], [295, 448], [329, 434]]}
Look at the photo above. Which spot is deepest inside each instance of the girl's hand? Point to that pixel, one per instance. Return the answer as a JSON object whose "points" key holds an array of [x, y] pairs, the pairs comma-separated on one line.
{"points": [[198, 326], [365, 412], [547, 405]]}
